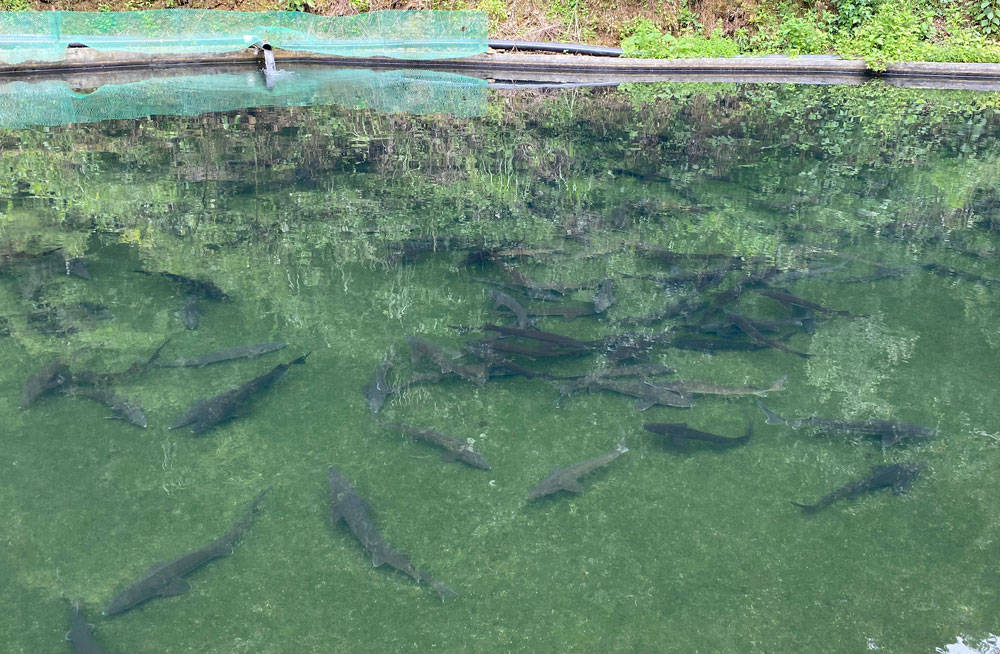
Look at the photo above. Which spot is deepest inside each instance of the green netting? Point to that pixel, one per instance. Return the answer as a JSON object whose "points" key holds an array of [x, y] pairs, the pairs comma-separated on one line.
{"points": [[44, 36], [23, 104]]}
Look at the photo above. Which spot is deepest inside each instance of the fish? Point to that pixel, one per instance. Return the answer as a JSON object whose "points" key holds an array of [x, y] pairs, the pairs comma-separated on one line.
{"points": [[166, 579], [566, 311], [568, 478], [647, 393], [197, 287], [890, 431], [354, 510], [706, 388], [122, 407], [208, 413], [55, 374], [91, 378], [79, 633], [712, 344], [251, 351], [679, 435], [501, 299], [604, 297], [537, 335], [898, 476], [446, 361], [791, 300], [750, 330], [378, 390], [457, 449]]}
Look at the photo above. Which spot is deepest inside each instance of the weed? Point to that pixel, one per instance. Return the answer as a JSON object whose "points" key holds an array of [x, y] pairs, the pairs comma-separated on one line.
{"points": [[988, 17]]}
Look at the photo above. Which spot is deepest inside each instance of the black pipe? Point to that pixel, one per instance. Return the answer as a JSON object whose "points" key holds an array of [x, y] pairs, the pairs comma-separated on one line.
{"points": [[567, 48]]}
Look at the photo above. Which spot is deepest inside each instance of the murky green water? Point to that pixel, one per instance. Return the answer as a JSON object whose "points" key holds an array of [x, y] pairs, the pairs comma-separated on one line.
{"points": [[881, 202]]}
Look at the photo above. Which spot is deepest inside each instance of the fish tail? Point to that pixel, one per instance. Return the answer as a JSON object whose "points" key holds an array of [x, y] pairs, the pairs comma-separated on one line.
{"points": [[621, 448], [772, 417]]}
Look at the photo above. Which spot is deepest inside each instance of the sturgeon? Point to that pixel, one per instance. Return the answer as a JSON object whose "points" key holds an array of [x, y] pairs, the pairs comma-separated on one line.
{"points": [[568, 478], [456, 449], [890, 431], [678, 435], [205, 414], [899, 477], [251, 351], [166, 579], [353, 510]]}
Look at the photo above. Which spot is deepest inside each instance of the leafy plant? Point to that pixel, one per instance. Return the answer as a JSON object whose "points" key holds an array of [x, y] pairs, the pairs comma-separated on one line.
{"points": [[988, 17], [299, 5], [645, 40]]}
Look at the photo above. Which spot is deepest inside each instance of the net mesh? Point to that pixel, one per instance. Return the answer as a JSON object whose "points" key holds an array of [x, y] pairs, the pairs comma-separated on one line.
{"points": [[44, 36], [24, 104]]}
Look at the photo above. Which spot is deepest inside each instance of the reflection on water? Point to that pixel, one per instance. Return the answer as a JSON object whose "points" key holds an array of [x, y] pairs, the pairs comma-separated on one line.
{"points": [[664, 314]]}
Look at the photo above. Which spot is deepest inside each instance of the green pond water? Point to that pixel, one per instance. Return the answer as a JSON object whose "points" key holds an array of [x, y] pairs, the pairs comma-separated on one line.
{"points": [[315, 221]]}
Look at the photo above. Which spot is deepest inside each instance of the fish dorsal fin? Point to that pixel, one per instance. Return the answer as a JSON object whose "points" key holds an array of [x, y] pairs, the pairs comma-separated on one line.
{"points": [[644, 403], [176, 586], [572, 485]]}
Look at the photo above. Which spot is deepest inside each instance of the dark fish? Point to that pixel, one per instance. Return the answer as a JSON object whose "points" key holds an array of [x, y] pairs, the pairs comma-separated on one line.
{"points": [[66, 319], [538, 290], [79, 633], [91, 378], [750, 330], [445, 360], [191, 313], [647, 393], [352, 509], [122, 407], [890, 431], [791, 300], [679, 435], [899, 477], [378, 389], [205, 414], [567, 311], [501, 299], [568, 478], [604, 297], [457, 449], [54, 375], [239, 352], [537, 335], [713, 344], [198, 287], [706, 388], [165, 579]]}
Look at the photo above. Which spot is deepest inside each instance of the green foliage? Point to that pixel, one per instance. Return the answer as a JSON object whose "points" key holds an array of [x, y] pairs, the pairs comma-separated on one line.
{"points": [[988, 17], [361, 5], [645, 40], [786, 32], [14, 5], [497, 10], [894, 33], [852, 14], [298, 5]]}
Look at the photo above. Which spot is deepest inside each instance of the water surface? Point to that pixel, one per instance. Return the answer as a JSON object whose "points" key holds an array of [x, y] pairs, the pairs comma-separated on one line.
{"points": [[342, 232]]}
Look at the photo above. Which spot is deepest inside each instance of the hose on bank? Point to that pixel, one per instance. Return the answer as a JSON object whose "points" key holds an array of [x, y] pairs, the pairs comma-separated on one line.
{"points": [[565, 48]]}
